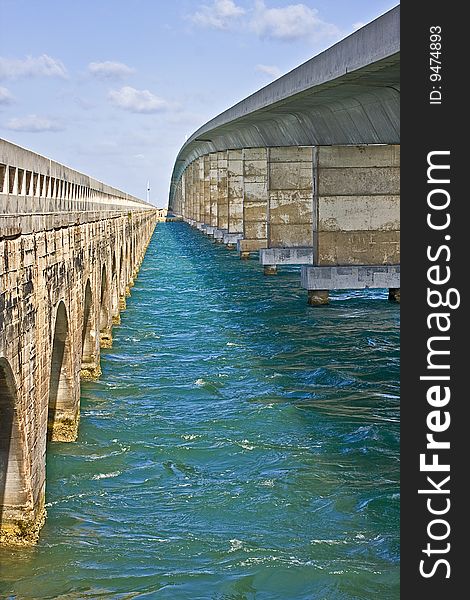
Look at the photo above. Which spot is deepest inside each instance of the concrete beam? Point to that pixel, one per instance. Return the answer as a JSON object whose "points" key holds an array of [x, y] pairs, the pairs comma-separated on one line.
{"points": [[353, 277]]}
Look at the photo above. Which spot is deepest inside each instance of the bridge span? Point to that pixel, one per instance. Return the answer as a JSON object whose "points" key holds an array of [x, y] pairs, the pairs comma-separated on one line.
{"points": [[306, 170], [70, 249]]}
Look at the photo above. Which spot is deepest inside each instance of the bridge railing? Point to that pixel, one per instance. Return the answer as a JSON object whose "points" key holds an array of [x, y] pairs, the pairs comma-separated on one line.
{"points": [[31, 183]]}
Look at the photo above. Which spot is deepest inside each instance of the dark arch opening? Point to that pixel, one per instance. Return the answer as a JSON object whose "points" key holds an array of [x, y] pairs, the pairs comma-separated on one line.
{"points": [[121, 273], [114, 291], [106, 338], [60, 385], [11, 455], [104, 301], [88, 341]]}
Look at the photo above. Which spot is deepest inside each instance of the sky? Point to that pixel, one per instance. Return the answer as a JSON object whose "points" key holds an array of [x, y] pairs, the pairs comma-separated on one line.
{"points": [[113, 88]]}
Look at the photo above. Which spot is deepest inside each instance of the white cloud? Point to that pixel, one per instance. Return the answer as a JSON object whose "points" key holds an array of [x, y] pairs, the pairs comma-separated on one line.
{"points": [[34, 124], [31, 66], [109, 70], [5, 97], [138, 101], [270, 70], [221, 14], [290, 23]]}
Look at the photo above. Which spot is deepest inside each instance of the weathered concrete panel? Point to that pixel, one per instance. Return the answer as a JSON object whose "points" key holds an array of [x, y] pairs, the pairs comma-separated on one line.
{"points": [[206, 216], [358, 248], [290, 207], [235, 190], [214, 193], [358, 181], [344, 278], [290, 176], [222, 191], [286, 154], [353, 213], [255, 192], [356, 208], [295, 235], [359, 156], [290, 197]]}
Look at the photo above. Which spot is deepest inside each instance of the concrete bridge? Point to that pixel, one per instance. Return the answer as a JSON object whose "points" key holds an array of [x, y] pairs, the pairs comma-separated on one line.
{"points": [[70, 249], [306, 170]]}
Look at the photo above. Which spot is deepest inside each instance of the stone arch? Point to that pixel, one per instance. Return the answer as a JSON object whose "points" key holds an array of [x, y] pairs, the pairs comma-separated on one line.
{"points": [[105, 306], [114, 292], [122, 279], [121, 272], [62, 419], [15, 484], [90, 361]]}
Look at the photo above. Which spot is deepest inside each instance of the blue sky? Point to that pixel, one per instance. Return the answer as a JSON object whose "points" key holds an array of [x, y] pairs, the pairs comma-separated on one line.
{"points": [[112, 88]]}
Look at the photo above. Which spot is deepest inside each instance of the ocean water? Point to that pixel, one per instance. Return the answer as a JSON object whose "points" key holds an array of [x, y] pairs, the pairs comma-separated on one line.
{"points": [[239, 445]]}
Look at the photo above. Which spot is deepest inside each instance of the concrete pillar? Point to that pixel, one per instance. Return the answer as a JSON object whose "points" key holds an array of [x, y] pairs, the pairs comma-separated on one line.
{"points": [[255, 200], [191, 190], [290, 208], [222, 192], [199, 218], [235, 191], [290, 223], [206, 218], [214, 191], [357, 205]]}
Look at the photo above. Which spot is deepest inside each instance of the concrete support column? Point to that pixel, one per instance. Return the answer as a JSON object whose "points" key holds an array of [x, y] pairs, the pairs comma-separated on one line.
{"points": [[290, 206], [191, 190], [183, 196], [214, 191], [206, 217], [234, 198], [255, 201], [357, 205], [222, 194], [200, 203]]}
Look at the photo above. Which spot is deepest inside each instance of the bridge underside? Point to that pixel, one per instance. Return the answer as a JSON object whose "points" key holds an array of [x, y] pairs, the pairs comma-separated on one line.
{"points": [[306, 170], [319, 207]]}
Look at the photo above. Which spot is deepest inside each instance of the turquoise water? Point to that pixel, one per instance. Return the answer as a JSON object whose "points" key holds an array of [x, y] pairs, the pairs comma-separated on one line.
{"points": [[240, 444]]}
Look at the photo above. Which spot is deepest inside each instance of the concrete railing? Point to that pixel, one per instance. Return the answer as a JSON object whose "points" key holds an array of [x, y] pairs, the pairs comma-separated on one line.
{"points": [[39, 194], [31, 183]]}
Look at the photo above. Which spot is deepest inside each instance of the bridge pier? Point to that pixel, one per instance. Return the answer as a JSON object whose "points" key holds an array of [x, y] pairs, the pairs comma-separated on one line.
{"points": [[255, 201], [312, 166], [235, 198], [67, 255]]}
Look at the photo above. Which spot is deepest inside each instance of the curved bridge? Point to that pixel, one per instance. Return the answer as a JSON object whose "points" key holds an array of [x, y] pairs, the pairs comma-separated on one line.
{"points": [[306, 170], [70, 249]]}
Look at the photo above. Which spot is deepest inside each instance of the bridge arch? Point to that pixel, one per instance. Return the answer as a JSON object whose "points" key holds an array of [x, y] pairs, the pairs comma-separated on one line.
{"points": [[114, 292], [63, 404], [121, 272], [15, 484], [15, 479], [105, 308], [90, 368]]}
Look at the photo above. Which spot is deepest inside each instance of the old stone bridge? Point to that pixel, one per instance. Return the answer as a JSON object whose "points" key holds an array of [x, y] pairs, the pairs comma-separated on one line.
{"points": [[306, 170], [70, 248]]}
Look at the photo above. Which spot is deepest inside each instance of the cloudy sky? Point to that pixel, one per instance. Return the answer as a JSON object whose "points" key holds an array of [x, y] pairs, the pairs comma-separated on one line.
{"points": [[112, 88]]}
